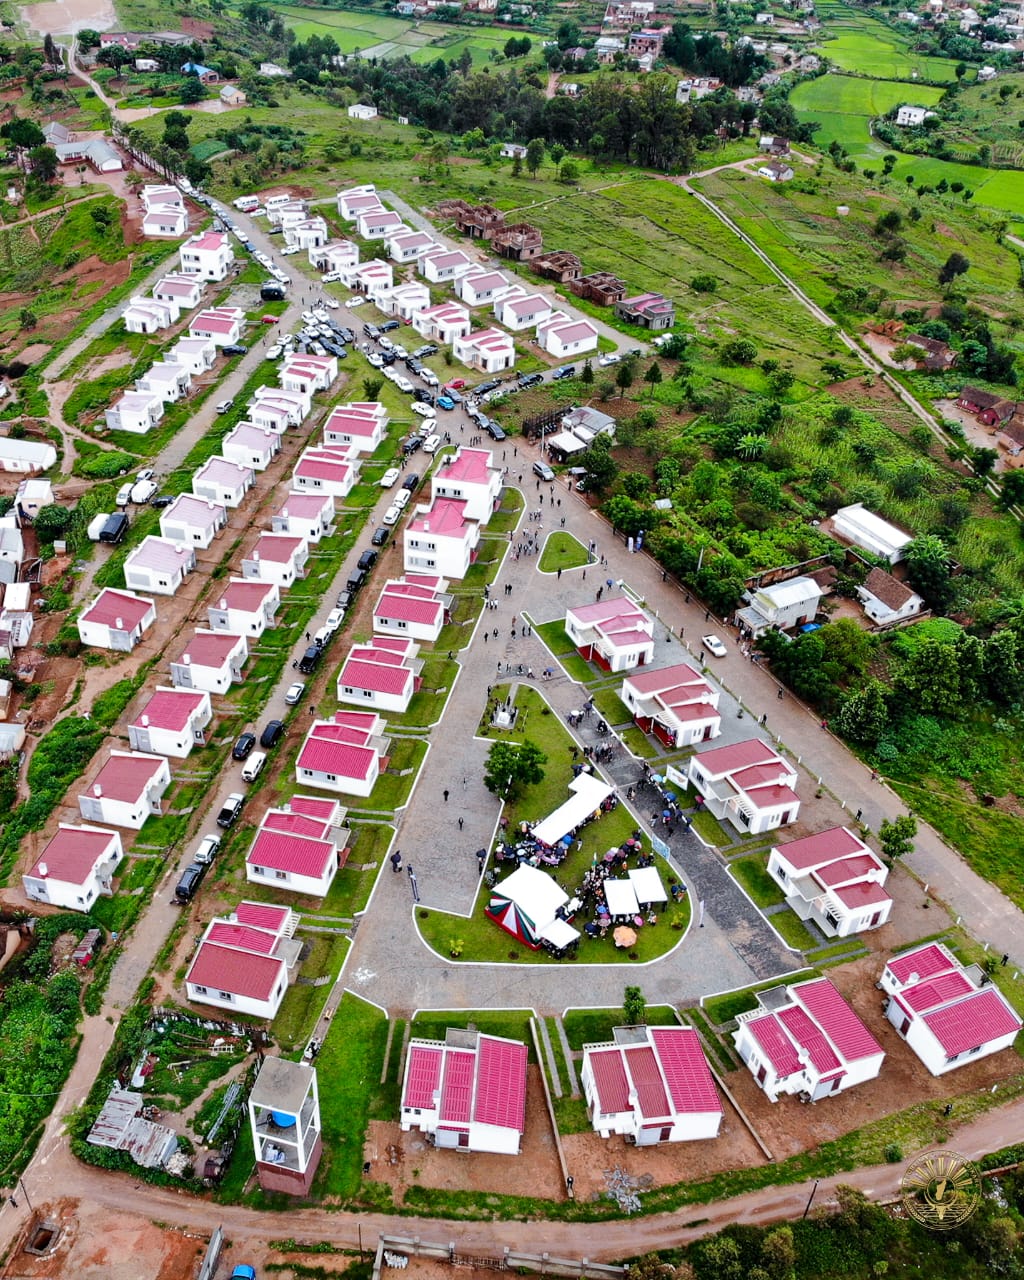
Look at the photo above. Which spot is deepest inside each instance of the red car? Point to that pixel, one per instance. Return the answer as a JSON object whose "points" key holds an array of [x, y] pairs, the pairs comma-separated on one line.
{"points": [[456, 384], [269, 319]]}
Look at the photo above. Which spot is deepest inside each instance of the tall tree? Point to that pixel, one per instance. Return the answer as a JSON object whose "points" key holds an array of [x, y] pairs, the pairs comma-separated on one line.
{"points": [[653, 376], [634, 1006], [513, 766], [534, 155], [897, 837]]}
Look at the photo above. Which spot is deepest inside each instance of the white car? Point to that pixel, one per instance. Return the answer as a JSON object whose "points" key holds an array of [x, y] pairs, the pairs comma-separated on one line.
{"points": [[402, 498], [384, 342], [399, 350], [390, 477], [390, 374], [142, 491], [612, 357], [714, 646], [355, 302], [309, 317], [288, 250], [375, 360], [332, 277], [429, 378], [208, 847], [280, 276], [391, 516], [424, 410], [262, 259], [334, 620], [403, 384], [330, 302], [273, 352]]}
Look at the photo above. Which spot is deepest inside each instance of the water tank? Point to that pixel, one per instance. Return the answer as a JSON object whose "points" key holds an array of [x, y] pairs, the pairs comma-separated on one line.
{"points": [[283, 1119]]}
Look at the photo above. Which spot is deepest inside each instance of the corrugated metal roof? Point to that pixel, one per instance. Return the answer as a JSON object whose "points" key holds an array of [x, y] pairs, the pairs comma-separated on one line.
{"points": [[972, 1022], [610, 1080], [825, 846], [775, 1044], [299, 855], [422, 1076], [923, 961], [686, 1071], [501, 1083], [170, 709], [839, 1022], [457, 1086], [936, 990], [242, 973]]}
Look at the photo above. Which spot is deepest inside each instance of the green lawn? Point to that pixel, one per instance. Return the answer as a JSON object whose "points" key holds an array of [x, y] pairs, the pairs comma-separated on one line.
{"points": [[303, 1004], [513, 1024], [753, 876], [792, 930], [562, 551], [594, 1026]]}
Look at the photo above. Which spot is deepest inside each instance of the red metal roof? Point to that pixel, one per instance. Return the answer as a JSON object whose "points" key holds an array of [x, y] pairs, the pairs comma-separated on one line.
{"points": [[642, 1066], [826, 846], [739, 755], [835, 1017], [774, 1044], [610, 1080], [338, 758], [322, 469], [865, 893], [240, 972], [470, 466], [923, 961], [689, 1079], [263, 915], [936, 990], [847, 870], [377, 677], [406, 608], [306, 506], [127, 777], [72, 854], [313, 807], [446, 517], [294, 824], [457, 1087], [210, 648], [243, 936], [808, 1036], [500, 1083], [664, 679], [299, 855], [422, 1076], [111, 606], [245, 597], [972, 1022], [170, 709], [278, 548]]}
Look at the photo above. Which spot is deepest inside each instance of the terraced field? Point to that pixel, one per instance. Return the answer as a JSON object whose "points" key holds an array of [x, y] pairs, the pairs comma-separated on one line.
{"points": [[377, 36]]}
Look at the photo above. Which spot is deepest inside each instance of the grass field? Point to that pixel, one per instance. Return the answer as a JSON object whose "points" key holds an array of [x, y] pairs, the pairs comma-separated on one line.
{"points": [[843, 105], [379, 36], [858, 43]]}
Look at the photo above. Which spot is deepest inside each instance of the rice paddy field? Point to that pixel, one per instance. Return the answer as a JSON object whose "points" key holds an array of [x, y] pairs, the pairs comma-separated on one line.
{"points": [[843, 105], [376, 35], [857, 42]]}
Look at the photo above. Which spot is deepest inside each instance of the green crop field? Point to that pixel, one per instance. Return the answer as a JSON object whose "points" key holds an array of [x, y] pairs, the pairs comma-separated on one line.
{"points": [[852, 96], [858, 43]]}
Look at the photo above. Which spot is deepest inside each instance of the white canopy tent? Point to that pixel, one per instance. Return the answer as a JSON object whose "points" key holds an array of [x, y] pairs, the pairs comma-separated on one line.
{"points": [[589, 794], [621, 899], [647, 885], [560, 934], [525, 903]]}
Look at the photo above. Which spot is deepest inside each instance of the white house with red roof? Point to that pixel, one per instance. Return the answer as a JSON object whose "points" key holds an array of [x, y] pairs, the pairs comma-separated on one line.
{"points": [[197, 355], [158, 565], [675, 704], [298, 849], [327, 469], [470, 476], [480, 286], [445, 322], [127, 789], [251, 446], [834, 879], [308, 374], [805, 1039], [404, 300], [343, 754], [409, 246], [167, 380], [165, 216], [306, 233], [651, 1084], [245, 961], [179, 288], [305, 515], [136, 411], [358, 426], [489, 350], [76, 867], [171, 723], [208, 255], [379, 224], [277, 557], [193, 521], [222, 325], [444, 265], [561, 335], [296, 402], [440, 539], [354, 200], [116, 620], [468, 1091], [333, 256], [747, 783], [383, 674], [150, 315], [211, 660], [245, 608], [519, 309], [948, 1013], [614, 632], [410, 608], [221, 480], [372, 278]]}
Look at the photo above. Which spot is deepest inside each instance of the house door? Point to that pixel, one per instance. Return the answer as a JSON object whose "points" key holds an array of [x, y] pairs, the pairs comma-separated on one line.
{"points": [[463, 1139], [664, 1135], [904, 1026], [761, 1075], [709, 732], [874, 919]]}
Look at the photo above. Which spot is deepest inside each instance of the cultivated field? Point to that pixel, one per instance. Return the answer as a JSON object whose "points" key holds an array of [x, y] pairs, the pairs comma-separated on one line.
{"points": [[843, 105], [860, 44]]}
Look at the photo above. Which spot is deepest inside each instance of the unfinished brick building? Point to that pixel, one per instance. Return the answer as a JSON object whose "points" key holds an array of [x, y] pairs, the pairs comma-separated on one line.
{"points": [[520, 242], [600, 287], [478, 221], [560, 265]]}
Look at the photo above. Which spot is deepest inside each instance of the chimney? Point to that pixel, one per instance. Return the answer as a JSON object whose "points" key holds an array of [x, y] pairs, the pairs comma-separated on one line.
{"points": [[186, 659], [118, 624], [43, 870], [145, 722], [223, 603], [97, 790]]}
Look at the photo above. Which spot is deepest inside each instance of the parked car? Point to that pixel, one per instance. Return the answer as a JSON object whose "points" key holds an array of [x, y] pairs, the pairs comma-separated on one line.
{"points": [[334, 620], [191, 879], [271, 735], [376, 360], [355, 302], [243, 1271], [484, 387], [344, 600], [445, 402], [411, 481], [310, 660], [222, 406], [380, 535], [542, 470], [294, 692], [355, 580], [403, 384], [565, 371], [254, 766], [243, 746], [143, 490], [612, 357], [424, 410], [235, 349], [402, 499], [411, 443], [393, 514], [456, 384], [389, 477], [432, 443], [164, 500], [428, 349], [530, 380], [269, 319], [389, 326], [124, 494], [371, 331], [207, 850], [430, 378], [231, 809], [493, 430], [424, 397], [367, 560], [714, 646]]}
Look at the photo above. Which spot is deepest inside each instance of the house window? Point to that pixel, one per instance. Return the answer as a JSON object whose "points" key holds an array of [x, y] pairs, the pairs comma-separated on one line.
{"points": [[332, 777], [201, 991], [259, 871], [307, 773], [226, 995], [402, 625], [280, 875]]}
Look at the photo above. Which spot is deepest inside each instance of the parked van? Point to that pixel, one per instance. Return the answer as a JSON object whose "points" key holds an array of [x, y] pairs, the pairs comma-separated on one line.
{"points": [[275, 202], [246, 204], [254, 766], [114, 529], [430, 445], [272, 291]]}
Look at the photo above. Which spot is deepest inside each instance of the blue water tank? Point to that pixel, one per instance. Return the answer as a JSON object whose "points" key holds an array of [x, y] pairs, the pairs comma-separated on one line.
{"points": [[283, 1119]]}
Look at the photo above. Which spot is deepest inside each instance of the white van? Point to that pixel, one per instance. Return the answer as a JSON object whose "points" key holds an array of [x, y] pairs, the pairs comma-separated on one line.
{"points": [[246, 204], [275, 202], [431, 444], [254, 766]]}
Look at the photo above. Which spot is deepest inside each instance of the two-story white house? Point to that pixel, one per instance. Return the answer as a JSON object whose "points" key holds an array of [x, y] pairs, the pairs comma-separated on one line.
{"points": [[782, 605], [441, 539], [208, 255], [470, 476], [171, 723]]}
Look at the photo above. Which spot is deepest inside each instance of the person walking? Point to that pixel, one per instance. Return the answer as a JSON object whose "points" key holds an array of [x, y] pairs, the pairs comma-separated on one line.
{"points": [[445, 794], [461, 821], [396, 861], [481, 858]]}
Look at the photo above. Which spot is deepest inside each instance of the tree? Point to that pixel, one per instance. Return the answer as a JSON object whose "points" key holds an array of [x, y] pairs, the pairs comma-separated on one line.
{"points": [[625, 515], [22, 134], [512, 766], [50, 52], [587, 374], [44, 163], [191, 90], [52, 522], [1012, 489], [634, 1006], [557, 152], [928, 571], [780, 382], [778, 1253], [625, 376], [897, 836], [653, 376], [569, 172], [28, 319], [534, 155], [955, 265], [864, 715], [601, 466], [738, 351], [372, 386]]}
